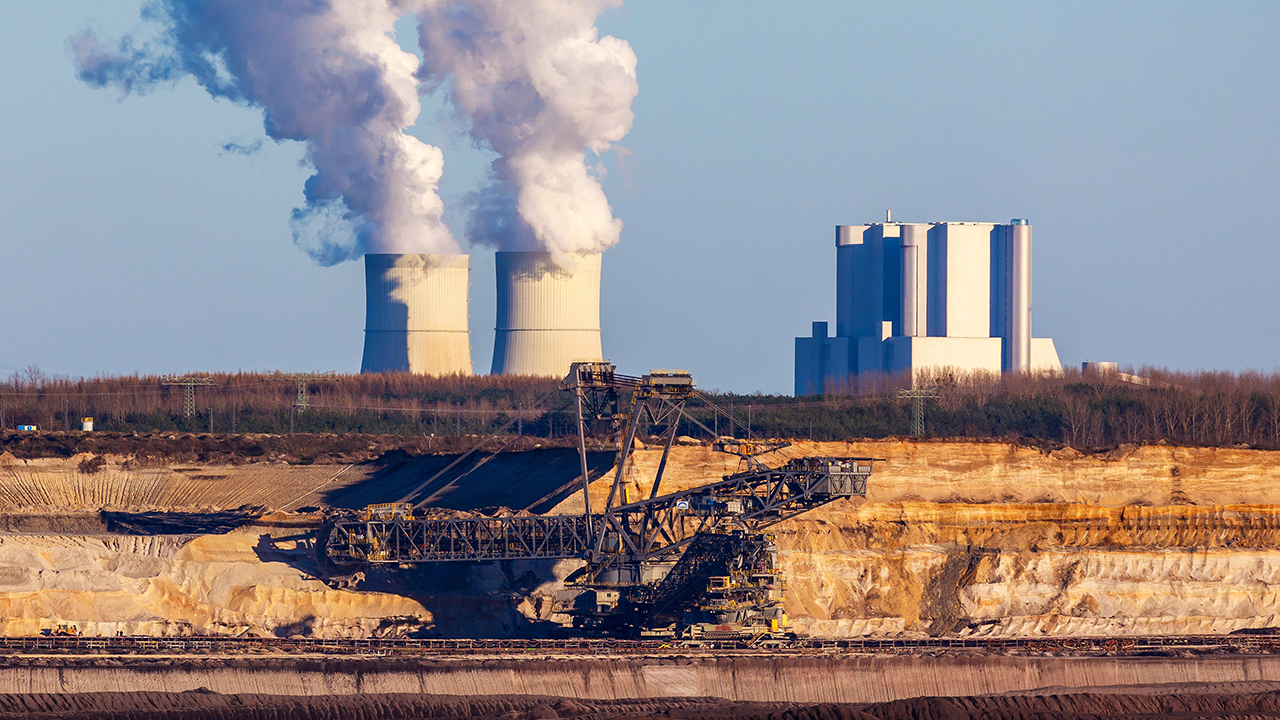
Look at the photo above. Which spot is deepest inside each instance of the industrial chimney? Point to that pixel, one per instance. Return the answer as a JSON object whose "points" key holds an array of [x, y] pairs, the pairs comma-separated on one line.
{"points": [[1018, 320], [548, 316], [416, 314]]}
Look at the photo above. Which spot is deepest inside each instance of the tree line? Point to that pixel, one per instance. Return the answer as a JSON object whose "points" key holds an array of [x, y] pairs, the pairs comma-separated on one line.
{"points": [[1087, 411], [383, 403]]}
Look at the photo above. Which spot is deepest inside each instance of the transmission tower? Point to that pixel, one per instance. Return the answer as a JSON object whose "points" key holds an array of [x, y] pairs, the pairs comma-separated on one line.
{"points": [[189, 384], [303, 380], [917, 396]]}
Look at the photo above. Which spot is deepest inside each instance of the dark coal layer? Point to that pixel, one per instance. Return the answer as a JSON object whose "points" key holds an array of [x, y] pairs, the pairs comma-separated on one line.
{"points": [[179, 523], [206, 705]]}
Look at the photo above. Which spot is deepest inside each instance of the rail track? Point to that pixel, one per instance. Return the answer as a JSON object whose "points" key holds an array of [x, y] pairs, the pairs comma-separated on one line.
{"points": [[142, 646]]}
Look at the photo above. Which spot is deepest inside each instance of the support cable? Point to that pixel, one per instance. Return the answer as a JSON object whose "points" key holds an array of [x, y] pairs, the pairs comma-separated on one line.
{"points": [[483, 441]]}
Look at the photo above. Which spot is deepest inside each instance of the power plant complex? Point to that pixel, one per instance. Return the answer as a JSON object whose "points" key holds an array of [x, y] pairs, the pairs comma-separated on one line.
{"points": [[911, 299], [548, 315], [916, 298]]}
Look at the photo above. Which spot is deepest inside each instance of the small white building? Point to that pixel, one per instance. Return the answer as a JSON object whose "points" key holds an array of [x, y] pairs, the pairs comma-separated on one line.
{"points": [[918, 297]]}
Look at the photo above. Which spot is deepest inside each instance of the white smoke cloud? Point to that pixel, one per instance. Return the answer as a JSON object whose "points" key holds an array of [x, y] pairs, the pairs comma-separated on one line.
{"points": [[328, 74], [540, 87]]}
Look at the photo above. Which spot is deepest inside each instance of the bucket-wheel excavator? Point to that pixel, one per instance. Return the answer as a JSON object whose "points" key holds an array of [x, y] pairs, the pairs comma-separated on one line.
{"points": [[695, 562]]}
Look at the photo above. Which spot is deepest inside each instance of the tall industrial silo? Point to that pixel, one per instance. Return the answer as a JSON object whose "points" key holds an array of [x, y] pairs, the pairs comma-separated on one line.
{"points": [[915, 280], [416, 314], [548, 315], [1018, 330]]}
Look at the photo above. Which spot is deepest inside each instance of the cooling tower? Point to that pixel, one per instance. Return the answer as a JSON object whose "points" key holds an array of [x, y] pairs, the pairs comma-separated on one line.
{"points": [[548, 316], [416, 314]]}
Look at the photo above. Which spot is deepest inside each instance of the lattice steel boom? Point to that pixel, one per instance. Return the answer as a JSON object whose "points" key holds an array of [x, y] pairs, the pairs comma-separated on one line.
{"points": [[650, 562], [637, 531]]}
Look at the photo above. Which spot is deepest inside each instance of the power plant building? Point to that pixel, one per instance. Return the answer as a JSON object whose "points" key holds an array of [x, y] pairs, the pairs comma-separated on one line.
{"points": [[416, 314], [548, 315], [922, 297]]}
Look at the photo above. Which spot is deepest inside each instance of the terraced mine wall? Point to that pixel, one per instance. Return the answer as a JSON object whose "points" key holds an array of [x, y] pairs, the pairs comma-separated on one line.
{"points": [[954, 539], [750, 679], [928, 471]]}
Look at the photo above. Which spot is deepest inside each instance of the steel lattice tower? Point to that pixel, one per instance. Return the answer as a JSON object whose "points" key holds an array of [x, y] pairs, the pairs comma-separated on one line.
{"points": [[917, 407], [189, 384], [303, 400]]}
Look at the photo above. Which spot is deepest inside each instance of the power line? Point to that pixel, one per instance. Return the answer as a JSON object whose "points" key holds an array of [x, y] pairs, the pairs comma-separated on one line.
{"points": [[189, 385], [146, 389], [917, 407], [304, 379]]}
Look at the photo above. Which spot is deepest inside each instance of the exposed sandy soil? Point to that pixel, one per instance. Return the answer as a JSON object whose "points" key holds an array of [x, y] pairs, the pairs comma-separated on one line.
{"points": [[999, 472], [1000, 539], [935, 471], [233, 584], [535, 480], [953, 539]]}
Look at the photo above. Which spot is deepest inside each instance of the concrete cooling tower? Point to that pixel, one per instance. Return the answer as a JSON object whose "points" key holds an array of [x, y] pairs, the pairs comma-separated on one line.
{"points": [[416, 314], [548, 316]]}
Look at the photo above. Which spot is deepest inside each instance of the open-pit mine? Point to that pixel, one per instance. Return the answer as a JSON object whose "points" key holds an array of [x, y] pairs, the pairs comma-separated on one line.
{"points": [[969, 569]]}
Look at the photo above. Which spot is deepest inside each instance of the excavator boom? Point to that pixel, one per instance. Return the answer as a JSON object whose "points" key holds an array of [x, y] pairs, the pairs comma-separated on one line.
{"points": [[698, 556]]}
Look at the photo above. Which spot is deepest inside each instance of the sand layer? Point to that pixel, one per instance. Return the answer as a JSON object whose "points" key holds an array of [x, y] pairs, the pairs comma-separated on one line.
{"points": [[990, 539], [234, 584], [946, 472]]}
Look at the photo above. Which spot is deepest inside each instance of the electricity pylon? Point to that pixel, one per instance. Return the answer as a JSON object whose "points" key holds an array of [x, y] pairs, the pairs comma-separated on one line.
{"points": [[189, 384], [917, 407], [303, 379]]}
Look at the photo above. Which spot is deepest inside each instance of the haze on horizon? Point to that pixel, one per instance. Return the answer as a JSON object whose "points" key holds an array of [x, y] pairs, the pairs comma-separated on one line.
{"points": [[152, 235]]}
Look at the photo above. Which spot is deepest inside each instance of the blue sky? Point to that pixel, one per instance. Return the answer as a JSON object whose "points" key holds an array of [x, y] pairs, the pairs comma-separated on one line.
{"points": [[1139, 139]]}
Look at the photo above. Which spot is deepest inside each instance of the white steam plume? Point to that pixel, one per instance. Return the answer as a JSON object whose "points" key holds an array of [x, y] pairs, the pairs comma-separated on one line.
{"points": [[541, 87], [328, 74]]}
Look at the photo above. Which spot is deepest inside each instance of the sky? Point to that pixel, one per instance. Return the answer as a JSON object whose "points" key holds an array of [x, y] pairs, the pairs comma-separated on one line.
{"points": [[1139, 138]]}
